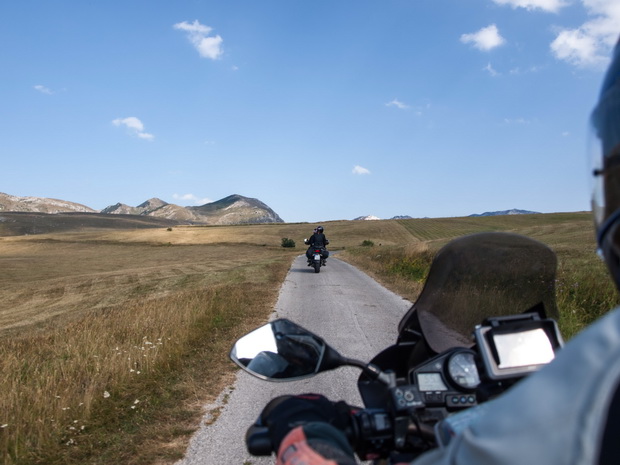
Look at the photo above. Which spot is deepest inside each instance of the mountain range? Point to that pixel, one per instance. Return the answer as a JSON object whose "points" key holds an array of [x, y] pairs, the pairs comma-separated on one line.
{"points": [[234, 209], [514, 211]]}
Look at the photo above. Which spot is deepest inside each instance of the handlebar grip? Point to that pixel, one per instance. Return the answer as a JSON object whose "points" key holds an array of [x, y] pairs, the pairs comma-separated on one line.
{"points": [[257, 440]]}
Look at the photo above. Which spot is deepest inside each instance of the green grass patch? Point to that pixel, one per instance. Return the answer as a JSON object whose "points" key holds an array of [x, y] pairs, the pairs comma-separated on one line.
{"points": [[584, 289]]}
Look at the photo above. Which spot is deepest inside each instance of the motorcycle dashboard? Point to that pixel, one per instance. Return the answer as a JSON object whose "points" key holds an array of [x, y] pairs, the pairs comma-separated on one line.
{"points": [[430, 382], [448, 379]]}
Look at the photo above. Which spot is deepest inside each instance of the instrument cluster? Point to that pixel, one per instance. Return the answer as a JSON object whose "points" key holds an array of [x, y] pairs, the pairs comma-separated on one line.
{"points": [[450, 379]]}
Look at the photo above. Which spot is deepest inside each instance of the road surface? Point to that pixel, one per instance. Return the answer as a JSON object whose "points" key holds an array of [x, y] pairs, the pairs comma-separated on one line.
{"points": [[351, 311]]}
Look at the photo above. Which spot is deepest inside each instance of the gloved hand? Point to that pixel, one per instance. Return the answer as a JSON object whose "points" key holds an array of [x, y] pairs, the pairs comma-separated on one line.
{"points": [[283, 413]]}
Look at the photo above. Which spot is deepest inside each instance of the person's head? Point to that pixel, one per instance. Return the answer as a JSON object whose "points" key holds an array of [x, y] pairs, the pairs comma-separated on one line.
{"points": [[319, 229], [605, 125]]}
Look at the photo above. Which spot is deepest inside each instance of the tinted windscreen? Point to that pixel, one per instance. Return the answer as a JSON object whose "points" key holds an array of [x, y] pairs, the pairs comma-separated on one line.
{"points": [[479, 276]]}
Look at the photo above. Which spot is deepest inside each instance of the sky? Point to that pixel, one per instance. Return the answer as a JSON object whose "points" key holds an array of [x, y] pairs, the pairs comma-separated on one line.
{"points": [[323, 110]]}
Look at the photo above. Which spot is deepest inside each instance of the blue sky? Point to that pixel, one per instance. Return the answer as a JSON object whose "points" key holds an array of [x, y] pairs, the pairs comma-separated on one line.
{"points": [[324, 110]]}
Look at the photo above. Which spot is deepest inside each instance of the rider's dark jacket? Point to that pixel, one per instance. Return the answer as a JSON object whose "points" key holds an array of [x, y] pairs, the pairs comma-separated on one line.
{"points": [[318, 240]]}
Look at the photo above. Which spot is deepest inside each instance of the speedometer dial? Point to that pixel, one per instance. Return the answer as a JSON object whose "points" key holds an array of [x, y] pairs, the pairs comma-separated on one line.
{"points": [[462, 370]]}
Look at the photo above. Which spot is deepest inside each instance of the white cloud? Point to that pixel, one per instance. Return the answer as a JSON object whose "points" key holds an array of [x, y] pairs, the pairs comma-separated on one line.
{"points": [[590, 44], [489, 68], [547, 5], [195, 200], [198, 35], [360, 170], [145, 135], [134, 126], [43, 89], [485, 39], [398, 104]]}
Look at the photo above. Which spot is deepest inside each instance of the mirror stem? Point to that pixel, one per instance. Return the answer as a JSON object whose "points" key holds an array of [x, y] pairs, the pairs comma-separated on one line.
{"points": [[374, 372]]}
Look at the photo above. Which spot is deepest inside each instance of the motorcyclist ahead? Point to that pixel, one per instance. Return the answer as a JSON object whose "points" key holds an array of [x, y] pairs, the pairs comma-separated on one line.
{"points": [[318, 240], [566, 413]]}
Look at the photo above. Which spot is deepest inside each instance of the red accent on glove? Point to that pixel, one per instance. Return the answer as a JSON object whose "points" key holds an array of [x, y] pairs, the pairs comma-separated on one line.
{"points": [[295, 450]]}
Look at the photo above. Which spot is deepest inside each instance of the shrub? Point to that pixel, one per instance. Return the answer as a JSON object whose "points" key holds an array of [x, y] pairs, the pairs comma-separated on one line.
{"points": [[368, 243], [286, 242]]}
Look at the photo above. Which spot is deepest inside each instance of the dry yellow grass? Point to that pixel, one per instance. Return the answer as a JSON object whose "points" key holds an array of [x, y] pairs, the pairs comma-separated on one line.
{"points": [[84, 315], [148, 315]]}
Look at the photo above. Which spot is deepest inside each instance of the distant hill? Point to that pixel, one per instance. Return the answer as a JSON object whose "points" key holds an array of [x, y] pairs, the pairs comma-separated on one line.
{"points": [[12, 203], [234, 209], [372, 217], [514, 211], [24, 223]]}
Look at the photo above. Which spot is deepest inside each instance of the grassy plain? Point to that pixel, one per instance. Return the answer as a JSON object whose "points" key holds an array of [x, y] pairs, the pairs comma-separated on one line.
{"points": [[112, 340]]}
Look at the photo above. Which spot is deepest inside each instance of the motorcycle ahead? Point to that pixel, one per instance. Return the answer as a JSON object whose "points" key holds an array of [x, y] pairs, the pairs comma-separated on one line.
{"points": [[316, 258], [479, 326]]}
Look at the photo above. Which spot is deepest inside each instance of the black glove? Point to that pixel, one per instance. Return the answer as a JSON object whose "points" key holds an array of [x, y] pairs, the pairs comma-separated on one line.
{"points": [[284, 413]]}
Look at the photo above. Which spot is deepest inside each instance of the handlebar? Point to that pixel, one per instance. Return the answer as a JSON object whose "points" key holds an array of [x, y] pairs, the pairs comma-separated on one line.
{"points": [[257, 440], [371, 434]]}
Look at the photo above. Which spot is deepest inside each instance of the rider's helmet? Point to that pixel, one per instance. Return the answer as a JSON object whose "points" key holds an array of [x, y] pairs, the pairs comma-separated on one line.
{"points": [[319, 229], [605, 148]]}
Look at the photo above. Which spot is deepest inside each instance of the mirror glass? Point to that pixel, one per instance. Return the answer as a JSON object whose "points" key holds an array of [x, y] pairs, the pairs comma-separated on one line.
{"points": [[279, 351]]}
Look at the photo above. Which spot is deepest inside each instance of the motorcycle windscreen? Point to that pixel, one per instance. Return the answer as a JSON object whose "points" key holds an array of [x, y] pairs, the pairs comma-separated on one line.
{"points": [[480, 276]]}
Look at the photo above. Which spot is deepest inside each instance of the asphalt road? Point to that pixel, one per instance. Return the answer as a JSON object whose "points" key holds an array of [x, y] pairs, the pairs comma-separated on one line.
{"points": [[351, 311]]}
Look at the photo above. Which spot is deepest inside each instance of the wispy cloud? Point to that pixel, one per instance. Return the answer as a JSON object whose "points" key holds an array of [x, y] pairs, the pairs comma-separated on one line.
{"points": [[552, 6], [191, 198], [589, 45], [485, 39], [134, 126], [44, 90], [489, 68], [357, 169], [398, 104], [519, 71], [519, 121], [199, 35]]}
